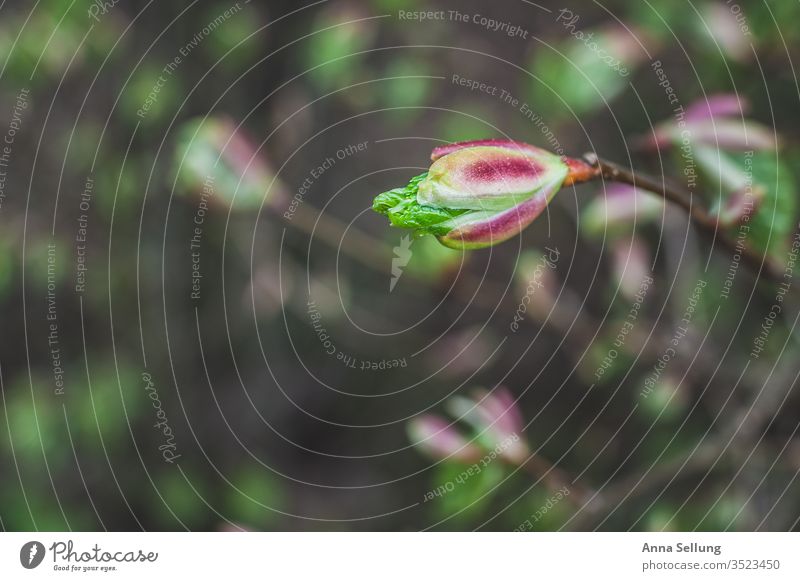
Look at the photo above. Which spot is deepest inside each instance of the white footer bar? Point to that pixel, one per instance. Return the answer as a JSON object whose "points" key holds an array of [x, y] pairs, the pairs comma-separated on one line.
{"points": [[401, 556]]}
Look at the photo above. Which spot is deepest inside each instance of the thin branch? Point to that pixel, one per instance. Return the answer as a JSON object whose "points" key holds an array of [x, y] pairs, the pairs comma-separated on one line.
{"points": [[761, 264]]}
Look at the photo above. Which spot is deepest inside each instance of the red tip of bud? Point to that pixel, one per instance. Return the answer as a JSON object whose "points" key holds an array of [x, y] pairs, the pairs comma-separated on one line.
{"points": [[579, 171]]}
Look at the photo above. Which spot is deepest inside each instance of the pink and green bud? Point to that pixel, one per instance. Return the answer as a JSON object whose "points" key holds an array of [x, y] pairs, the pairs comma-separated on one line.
{"points": [[439, 439], [622, 207], [497, 421], [724, 30], [480, 193], [717, 107], [216, 159], [715, 122]]}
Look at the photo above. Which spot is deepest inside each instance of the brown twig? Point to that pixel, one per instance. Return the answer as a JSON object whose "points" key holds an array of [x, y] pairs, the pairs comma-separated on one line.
{"points": [[761, 264]]}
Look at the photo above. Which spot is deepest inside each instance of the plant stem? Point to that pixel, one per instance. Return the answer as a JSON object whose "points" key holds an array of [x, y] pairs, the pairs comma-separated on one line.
{"points": [[761, 264]]}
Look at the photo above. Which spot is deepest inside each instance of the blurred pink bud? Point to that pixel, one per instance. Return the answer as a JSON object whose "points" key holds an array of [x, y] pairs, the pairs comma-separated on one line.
{"points": [[631, 265], [215, 158], [716, 106], [496, 419], [441, 440], [726, 30], [717, 122], [731, 134], [499, 408], [621, 206]]}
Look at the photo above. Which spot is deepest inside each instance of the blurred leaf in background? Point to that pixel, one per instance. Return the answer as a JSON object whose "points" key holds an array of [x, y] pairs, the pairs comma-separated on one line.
{"points": [[151, 95], [465, 122], [253, 497], [338, 33], [407, 89], [463, 499], [181, 493], [237, 44], [584, 72]]}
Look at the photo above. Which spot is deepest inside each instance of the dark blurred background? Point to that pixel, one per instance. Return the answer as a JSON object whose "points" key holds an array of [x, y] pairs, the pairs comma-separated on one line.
{"points": [[202, 328]]}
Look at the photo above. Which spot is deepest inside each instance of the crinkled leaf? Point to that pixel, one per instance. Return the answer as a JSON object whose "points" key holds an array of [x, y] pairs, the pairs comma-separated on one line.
{"points": [[575, 79], [401, 207]]}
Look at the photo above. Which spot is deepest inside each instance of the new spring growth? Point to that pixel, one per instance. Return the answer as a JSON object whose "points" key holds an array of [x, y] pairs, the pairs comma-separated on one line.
{"points": [[480, 193]]}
